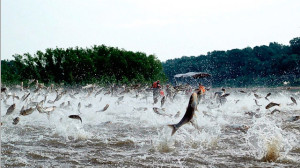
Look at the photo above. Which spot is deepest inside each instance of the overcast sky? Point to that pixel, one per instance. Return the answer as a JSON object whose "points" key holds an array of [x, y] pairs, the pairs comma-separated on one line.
{"points": [[167, 28]]}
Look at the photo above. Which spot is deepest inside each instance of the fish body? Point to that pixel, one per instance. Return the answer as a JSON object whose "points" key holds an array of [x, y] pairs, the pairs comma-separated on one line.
{"points": [[257, 96], [40, 109], [269, 94], [294, 100], [72, 96], [79, 106], [3, 89], [25, 96], [224, 95], [16, 120], [155, 100], [50, 101], [98, 92], [30, 81], [243, 128], [190, 111], [27, 111], [75, 117], [58, 97], [88, 86], [89, 106], [158, 111], [33, 103], [107, 93], [49, 109], [11, 109], [271, 105], [121, 98], [62, 105], [256, 102], [105, 108], [141, 108], [177, 114], [294, 118], [163, 100], [275, 110]]}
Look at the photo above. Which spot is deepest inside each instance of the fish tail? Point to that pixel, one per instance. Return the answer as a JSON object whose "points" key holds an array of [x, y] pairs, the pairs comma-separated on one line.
{"points": [[174, 129]]}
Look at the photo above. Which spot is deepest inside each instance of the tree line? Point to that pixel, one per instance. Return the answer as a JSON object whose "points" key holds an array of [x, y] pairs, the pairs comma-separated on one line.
{"points": [[98, 64], [259, 66]]}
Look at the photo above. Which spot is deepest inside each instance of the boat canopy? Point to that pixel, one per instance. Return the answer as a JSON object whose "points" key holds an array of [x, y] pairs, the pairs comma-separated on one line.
{"points": [[193, 74]]}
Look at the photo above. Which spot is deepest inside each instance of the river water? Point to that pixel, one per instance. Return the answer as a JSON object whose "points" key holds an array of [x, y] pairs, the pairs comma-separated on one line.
{"points": [[130, 134]]}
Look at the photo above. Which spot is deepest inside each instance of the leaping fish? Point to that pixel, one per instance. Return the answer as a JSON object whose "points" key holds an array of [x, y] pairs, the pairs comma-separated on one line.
{"points": [[190, 111], [27, 111], [50, 109], [275, 110], [267, 96], [89, 105], [257, 102], [75, 117], [294, 100], [271, 105], [16, 120], [257, 96], [158, 111], [242, 91], [88, 86], [225, 95], [58, 97], [294, 118], [105, 108], [163, 100], [11, 109], [177, 114]]}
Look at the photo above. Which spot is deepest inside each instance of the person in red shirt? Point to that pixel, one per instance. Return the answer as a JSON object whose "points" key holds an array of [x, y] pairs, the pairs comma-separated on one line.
{"points": [[202, 88], [156, 89], [202, 92]]}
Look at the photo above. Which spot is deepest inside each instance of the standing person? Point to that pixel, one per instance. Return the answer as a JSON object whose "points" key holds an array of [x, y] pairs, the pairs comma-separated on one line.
{"points": [[202, 93], [156, 88]]}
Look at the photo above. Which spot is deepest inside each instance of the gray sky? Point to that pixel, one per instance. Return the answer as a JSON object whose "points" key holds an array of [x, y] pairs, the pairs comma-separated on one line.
{"points": [[167, 28]]}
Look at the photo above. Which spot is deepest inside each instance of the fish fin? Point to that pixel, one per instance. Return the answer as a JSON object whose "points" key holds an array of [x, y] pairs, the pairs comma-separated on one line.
{"points": [[174, 129], [194, 105]]}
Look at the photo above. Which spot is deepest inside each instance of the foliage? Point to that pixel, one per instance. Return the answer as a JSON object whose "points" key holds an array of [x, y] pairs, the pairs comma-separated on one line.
{"points": [[259, 66], [99, 64]]}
